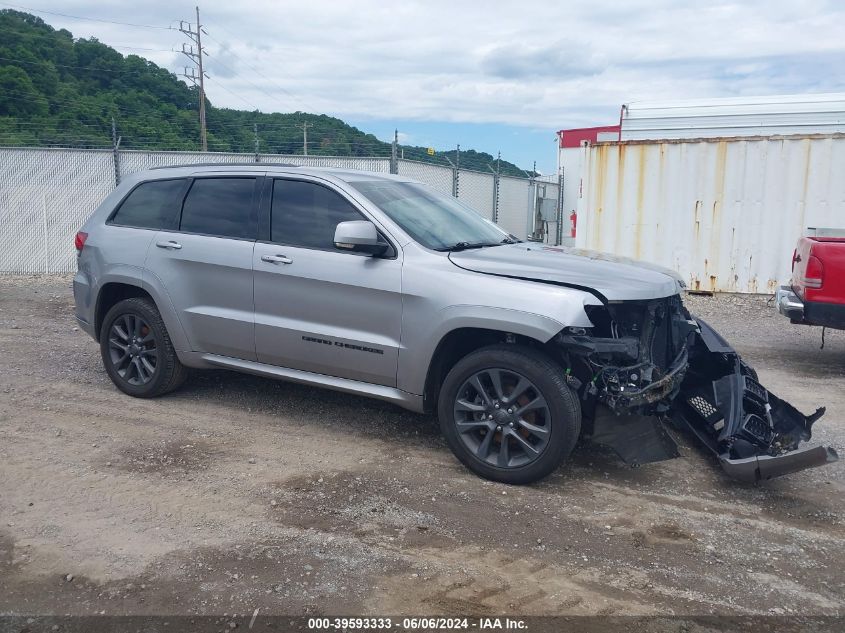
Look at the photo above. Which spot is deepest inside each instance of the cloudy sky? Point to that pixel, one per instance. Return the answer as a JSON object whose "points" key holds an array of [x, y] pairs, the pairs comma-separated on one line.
{"points": [[494, 75]]}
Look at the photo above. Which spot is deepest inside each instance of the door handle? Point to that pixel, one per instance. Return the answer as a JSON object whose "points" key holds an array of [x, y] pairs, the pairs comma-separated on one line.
{"points": [[276, 259], [169, 245]]}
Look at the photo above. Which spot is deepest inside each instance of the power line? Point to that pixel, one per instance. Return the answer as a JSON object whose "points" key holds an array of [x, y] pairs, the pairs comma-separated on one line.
{"points": [[87, 19], [195, 56], [94, 68], [235, 94], [258, 72], [135, 48], [140, 48]]}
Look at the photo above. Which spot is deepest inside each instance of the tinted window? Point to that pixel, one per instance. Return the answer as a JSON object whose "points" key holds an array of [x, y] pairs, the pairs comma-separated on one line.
{"points": [[220, 206], [305, 214], [151, 205]]}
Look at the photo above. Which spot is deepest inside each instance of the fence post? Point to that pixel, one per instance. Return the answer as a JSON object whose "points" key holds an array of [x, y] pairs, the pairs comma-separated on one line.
{"points": [[46, 233], [532, 201], [559, 228], [495, 190], [394, 161], [456, 174], [115, 141]]}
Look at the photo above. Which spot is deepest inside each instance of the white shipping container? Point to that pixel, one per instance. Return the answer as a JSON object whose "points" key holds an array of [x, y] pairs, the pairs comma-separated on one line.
{"points": [[735, 116], [724, 213]]}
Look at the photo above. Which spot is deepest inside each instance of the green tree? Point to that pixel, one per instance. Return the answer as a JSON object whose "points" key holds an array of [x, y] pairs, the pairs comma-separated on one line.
{"points": [[18, 96]]}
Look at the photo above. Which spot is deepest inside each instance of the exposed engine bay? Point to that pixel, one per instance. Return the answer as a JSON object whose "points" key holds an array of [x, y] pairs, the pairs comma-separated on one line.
{"points": [[649, 363]]}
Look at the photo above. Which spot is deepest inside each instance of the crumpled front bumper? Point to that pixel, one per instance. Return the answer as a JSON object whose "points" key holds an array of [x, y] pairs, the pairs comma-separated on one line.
{"points": [[754, 434], [759, 467]]}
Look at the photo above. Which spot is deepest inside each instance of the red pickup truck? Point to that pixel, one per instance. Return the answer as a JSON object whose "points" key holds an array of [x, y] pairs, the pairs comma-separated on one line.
{"points": [[816, 294]]}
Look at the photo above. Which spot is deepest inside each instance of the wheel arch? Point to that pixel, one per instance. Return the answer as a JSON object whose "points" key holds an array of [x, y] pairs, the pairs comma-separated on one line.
{"points": [[115, 290], [109, 295], [458, 343]]}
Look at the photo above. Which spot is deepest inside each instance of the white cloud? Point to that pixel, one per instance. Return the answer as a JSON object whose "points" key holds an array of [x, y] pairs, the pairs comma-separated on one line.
{"points": [[538, 64]]}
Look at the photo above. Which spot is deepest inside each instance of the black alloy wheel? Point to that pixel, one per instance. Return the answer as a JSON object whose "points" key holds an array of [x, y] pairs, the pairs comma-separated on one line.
{"points": [[502, 417], [137, 351]]}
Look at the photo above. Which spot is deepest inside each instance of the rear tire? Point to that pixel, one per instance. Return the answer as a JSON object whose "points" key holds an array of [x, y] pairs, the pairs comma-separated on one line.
{"points": [[137, 351], [508, 414]]}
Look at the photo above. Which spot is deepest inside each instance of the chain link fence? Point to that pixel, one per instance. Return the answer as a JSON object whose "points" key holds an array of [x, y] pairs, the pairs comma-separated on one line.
{"points": [[478, 191], [47, 194], [440, 178]]}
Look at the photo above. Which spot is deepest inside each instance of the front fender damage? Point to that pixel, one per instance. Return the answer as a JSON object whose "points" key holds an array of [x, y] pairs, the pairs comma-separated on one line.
{"points": [[649, 364]]}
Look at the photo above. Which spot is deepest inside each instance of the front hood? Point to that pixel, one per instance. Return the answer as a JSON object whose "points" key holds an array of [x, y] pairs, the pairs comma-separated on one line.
{"points": [[615, 278]]}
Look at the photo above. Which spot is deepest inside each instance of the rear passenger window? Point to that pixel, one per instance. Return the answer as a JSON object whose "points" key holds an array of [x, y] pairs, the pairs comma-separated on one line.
{"points": [[221, 207], [151, 205], [306, 214]]}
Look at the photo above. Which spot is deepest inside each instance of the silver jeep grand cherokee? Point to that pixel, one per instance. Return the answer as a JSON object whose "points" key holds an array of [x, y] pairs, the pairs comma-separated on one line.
{"points": [[379, 286]]}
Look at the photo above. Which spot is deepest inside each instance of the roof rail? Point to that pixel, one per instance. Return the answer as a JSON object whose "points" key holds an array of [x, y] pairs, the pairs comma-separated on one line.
{"points": [[228, 165]]}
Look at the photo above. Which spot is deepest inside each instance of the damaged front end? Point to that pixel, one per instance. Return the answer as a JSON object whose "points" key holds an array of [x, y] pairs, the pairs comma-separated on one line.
{"points": [[648, 362]]}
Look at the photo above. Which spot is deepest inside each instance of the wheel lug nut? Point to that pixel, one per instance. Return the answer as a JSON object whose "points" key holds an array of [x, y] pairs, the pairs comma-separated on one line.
{"points": [[511, 425], [498, 428], [510, 410], [496, 405]]}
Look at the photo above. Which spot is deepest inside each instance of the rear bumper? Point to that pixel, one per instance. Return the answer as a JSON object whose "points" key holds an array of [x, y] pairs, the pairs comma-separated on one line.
{"points": [[83, 297], [86, 327], [789, 304], [830, 315]]}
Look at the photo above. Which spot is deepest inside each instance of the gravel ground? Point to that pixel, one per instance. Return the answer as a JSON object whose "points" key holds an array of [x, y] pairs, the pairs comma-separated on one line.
{"points": [[237, 493]]}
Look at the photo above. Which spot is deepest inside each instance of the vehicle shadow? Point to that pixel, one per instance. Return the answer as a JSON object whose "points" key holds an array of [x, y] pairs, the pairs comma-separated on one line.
{"points": [[309, 405]]}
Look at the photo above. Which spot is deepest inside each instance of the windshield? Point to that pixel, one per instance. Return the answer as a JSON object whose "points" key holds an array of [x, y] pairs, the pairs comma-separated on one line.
{"points": [[433, 219]]}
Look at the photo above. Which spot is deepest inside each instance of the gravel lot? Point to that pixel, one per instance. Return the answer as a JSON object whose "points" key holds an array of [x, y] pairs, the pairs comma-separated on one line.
{"points": [[237, 493]]}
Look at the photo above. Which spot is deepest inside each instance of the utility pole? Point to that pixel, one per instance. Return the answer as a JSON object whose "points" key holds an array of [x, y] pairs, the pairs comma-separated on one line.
{"points": [[304, 127], [197, 79]]}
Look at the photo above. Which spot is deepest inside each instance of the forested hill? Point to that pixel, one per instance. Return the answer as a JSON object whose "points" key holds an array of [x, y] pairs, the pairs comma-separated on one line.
{"points": [[59, 91]]}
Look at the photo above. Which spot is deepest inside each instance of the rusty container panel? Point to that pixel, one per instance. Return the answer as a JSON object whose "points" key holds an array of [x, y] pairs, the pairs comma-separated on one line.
{"points": [[724, 213]]}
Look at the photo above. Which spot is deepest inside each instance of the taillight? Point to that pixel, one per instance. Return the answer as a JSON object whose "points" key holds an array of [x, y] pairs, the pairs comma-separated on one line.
{"points": [[814, 274], [79, 241]]}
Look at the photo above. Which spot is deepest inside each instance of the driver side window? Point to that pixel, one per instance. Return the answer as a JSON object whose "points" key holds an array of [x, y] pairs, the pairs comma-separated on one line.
{"points": [[306, 214]]}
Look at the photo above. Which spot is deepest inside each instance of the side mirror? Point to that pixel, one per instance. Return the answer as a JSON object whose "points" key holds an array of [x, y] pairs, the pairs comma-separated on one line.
{"points": [[360, 236]]}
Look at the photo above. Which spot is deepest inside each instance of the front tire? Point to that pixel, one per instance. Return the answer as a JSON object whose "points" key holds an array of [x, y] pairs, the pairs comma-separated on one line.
{"points": [[137, 351], [508, 414]]}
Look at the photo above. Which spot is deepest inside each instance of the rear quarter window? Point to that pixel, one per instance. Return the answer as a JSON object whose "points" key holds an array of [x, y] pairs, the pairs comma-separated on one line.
{"points": [[151, 205]]}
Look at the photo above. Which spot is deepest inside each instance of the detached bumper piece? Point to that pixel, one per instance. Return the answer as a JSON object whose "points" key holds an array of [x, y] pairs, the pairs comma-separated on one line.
{"points": [[754, 434], [753, 469]]}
